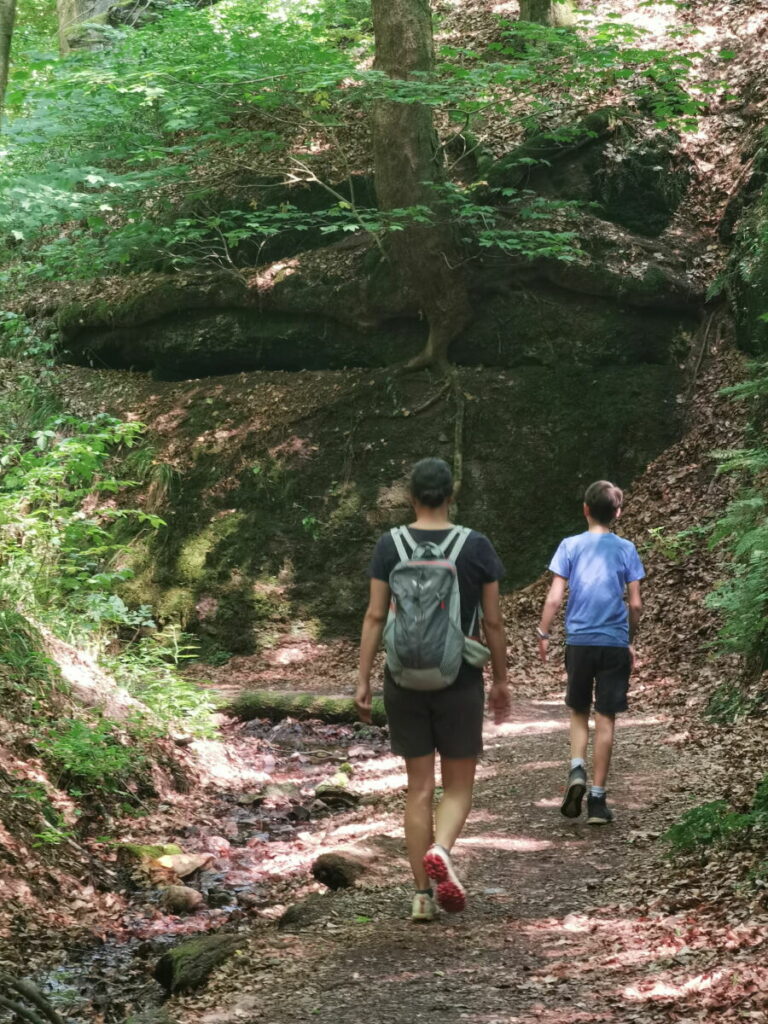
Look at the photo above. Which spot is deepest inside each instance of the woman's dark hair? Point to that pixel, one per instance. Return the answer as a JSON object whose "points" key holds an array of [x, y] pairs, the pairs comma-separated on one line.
{"points": [[431, 482], [604, 500]]}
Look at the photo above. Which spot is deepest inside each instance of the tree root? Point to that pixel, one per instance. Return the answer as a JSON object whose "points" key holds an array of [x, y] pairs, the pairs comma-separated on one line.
{"points": [[10, 988], [458, 433], [432, 400]]}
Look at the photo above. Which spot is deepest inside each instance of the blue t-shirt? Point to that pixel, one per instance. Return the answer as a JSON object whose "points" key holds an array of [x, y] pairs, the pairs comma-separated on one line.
{"points": [[598, 567]]}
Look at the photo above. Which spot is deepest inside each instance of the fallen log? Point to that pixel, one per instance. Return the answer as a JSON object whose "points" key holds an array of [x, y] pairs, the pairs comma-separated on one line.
{"points": [[276, 706], [188, 965]]}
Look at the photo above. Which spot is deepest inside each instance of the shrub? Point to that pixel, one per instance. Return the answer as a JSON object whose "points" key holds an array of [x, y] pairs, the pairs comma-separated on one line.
{"points": [[742, 597], [704, 825], [91, 758]]}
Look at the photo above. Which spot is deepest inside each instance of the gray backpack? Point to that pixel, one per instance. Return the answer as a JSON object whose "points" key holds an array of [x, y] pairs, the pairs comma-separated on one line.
{"points": [[423, 637]]}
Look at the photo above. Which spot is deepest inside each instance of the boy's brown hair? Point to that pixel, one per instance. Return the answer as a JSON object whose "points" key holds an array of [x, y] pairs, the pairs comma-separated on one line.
{"points": [[604, 501]]}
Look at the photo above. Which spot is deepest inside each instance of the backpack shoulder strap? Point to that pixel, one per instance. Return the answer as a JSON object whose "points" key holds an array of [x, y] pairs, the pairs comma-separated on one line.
{"points": [[460, 533], [444, 545], [399, 535], [477, 618]]}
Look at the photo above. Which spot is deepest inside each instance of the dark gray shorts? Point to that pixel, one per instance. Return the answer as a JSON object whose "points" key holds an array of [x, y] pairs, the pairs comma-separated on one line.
{"points": [[605, 670], [448, 721]]}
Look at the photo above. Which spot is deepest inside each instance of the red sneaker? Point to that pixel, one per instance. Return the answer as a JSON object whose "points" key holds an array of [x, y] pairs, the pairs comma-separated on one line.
{"points": [[449, 890]]}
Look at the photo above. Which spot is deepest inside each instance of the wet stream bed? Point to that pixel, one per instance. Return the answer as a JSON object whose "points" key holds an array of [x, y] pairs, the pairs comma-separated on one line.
{"points": [[277, 797]]}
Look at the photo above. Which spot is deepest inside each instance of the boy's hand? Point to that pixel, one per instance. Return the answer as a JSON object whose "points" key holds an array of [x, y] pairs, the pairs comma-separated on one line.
{"points": [[543, 649], [499, 701], [363, 701], [632, 657]]}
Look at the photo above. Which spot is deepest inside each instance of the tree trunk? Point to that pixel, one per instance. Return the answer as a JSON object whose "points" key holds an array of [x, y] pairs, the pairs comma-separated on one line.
{"points": [[407, 164], [73, 16], [7, 16], [555, 13]]}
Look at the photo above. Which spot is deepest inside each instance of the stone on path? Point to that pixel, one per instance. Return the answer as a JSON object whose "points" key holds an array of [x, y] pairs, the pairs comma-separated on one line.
{"points": [[181, 899], [337, 870]]}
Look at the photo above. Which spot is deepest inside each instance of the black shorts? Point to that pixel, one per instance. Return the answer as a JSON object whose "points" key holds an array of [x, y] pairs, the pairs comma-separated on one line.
{"points": [[606, 669], [448, 721]]}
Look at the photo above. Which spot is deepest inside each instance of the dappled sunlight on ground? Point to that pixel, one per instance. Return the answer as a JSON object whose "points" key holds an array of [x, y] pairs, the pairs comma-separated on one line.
{"points": [[665, 990], [531, 728], [382, 784], [548, 802], [510, 844]]}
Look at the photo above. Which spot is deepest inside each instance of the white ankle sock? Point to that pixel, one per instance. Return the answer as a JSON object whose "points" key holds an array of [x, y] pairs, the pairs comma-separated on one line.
{"points": [[597, 790], [578, 762]]}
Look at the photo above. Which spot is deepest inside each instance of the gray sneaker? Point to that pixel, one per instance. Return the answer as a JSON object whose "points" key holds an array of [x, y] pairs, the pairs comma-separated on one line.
{"points": [[598, 811], [574, 793]]}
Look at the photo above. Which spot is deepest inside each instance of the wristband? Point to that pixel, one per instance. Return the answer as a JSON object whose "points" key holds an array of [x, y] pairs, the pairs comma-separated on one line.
{"points": [[541, 634]]}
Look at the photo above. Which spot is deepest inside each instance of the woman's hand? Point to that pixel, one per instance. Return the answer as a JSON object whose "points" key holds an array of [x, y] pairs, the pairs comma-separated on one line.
{"points": [[363, 701], [500, 701]]}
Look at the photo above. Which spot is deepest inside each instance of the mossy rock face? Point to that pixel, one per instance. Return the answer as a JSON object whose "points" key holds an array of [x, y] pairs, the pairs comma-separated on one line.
{"points": [[330, 482], [636, 175], [642, 181], [148, 298], [189, 965], [195, 344], [549, 326]]}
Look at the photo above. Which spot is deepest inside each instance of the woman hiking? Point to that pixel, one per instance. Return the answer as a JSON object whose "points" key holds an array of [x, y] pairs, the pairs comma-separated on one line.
{"points": [[432, 583]]}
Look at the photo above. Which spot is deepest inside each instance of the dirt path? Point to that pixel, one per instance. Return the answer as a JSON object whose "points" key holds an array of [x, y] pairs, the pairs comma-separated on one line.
{"points": [[547, 934]]}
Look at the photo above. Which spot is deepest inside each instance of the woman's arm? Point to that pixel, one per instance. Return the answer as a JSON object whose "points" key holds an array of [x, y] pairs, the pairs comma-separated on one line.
{"points": [[493, 627], [373, 626]]}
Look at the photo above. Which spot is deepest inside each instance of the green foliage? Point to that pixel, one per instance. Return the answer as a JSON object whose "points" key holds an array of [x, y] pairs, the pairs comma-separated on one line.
{"points": [[742, 532], [55, 829], [30, 672], [56, 539], [715, 824], [150, 669], [678, 546], [705, 825], [109, 153], [729, 702], [91, 757], [59, 549]]}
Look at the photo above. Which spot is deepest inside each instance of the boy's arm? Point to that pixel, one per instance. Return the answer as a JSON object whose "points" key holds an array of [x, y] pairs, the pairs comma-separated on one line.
{"points": [[373, 626], [635, 606], [551, 607]]}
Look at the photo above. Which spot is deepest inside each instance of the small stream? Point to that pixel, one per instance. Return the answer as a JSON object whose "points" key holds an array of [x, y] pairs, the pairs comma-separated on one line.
{"points": [[268, 836]]}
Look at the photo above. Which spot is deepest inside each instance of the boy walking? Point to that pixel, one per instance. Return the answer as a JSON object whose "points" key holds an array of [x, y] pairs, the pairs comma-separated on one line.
{"points": [[597, 567]]}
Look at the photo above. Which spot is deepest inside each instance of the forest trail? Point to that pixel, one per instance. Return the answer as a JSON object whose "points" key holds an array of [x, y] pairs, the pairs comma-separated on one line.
{"points": [[549, 933]]}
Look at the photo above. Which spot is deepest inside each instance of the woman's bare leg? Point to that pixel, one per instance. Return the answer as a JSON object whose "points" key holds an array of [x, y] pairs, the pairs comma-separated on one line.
{"points": [[456, 803], [418, 814]]}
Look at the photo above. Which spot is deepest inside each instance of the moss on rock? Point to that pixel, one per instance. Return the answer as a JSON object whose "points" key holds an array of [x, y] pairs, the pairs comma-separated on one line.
{"points": [[189, 965], [139, 852]]}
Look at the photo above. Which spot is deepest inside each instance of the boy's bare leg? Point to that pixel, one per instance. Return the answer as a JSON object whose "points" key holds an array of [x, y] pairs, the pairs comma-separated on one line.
{"points": [[603, 747], [458, 783], [579, 734], [418, 814]]}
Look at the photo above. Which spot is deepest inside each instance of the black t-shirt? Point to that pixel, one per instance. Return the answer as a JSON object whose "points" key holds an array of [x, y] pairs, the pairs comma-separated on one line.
{"points": [[477, 564]]}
